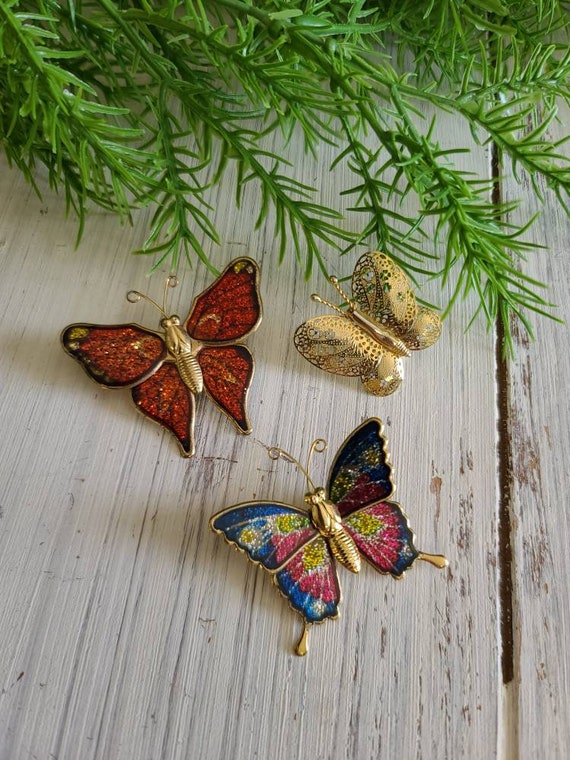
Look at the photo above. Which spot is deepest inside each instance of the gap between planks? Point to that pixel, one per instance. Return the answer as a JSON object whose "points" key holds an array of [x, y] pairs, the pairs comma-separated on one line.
{"points": [[508, 717]]}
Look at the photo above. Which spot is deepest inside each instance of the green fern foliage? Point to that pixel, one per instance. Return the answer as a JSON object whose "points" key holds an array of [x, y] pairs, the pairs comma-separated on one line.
{"points": [[133, 102]]}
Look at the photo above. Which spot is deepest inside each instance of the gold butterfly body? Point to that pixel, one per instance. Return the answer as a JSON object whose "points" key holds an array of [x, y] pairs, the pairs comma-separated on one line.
{"points": [[382, 324]]}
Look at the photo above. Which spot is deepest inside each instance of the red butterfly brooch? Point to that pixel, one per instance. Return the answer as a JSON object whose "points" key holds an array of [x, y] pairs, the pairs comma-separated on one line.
{"points": [[165, 371]]}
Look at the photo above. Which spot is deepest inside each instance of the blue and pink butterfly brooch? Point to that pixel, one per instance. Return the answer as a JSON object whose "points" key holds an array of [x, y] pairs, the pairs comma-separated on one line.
{"points": [[350, 519]]}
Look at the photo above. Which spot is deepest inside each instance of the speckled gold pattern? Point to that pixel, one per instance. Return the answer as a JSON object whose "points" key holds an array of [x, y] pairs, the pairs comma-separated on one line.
{"points": [[382, 324]]}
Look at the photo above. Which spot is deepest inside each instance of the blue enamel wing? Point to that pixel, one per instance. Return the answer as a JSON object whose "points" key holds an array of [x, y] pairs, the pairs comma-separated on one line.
{"points": [[351, 519]]}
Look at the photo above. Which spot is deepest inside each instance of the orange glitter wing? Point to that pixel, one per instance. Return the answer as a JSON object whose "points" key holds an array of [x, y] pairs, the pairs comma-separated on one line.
{"points": [[165, 399], [116, 356], [227, 372], [230, 308]]}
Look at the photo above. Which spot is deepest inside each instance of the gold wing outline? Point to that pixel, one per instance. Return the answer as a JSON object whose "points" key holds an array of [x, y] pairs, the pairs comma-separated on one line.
{"points": [[337, 345], [381, 324], [381, 290]]}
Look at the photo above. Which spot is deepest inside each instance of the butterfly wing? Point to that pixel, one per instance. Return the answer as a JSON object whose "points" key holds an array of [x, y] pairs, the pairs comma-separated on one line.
{"points": [[361, 473], [360, 482], [338, 345], [386, 375], [115, 356], [283, 540], [309, 581], [383, 536], [164, 398], [230, 309], [122, 356], [268, 532], [425, 330], [382, 291], [227, 373]]}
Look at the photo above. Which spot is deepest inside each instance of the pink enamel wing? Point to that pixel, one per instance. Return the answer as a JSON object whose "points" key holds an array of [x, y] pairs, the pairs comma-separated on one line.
{"points": [[352, 518]]}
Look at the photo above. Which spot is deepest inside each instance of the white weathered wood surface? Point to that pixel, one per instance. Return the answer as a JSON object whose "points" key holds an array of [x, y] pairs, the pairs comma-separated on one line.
{"points": [[129, 631], [539, 425]]}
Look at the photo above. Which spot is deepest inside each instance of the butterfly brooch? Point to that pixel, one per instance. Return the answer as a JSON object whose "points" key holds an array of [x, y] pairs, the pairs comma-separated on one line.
{"points": [[352, 518], [166, 370], [382, 324]]}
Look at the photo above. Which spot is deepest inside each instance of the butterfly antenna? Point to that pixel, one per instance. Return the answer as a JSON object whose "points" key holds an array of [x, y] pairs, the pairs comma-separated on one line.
{"points": [[318, 446], [170, 282], [318, 299], [334, 281], [276, 453], [134, 296]]}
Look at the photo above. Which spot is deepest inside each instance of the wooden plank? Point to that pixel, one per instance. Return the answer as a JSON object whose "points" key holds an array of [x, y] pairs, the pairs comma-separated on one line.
{"points": [[539, 415], [128, 628]]}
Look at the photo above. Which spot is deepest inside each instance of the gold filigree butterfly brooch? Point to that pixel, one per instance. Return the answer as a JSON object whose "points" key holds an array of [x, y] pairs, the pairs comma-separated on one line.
{"points": [[382, 324]]}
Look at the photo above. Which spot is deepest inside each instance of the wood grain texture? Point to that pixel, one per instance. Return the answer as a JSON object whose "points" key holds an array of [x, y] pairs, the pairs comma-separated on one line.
{"points": [[539, 413], [129, 630]]}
